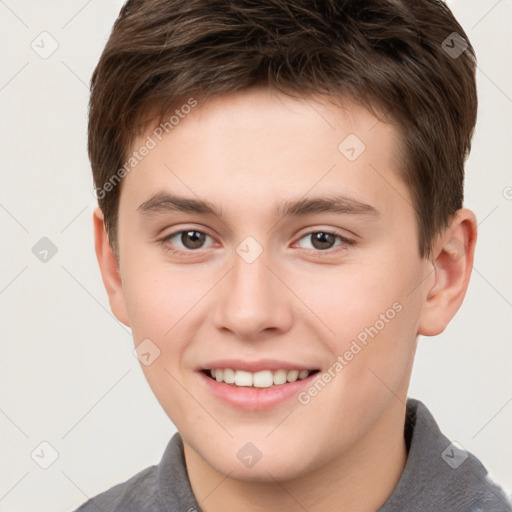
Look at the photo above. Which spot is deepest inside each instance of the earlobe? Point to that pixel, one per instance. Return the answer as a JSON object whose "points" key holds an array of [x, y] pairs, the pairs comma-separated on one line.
{"points": [[109, 268], [452, 263]]}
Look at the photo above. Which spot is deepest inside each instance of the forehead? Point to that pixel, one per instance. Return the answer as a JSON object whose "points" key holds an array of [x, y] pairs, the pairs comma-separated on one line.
{"points": [[259, 144]]}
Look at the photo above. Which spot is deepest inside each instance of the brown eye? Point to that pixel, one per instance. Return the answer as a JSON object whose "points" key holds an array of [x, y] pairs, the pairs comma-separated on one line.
{"points": [[185, 240], [192, 239], [324, 243], [321, 240]]}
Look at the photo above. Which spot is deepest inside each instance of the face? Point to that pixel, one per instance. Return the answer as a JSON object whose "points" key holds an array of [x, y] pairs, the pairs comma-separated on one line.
{"points": [[271, 240]]}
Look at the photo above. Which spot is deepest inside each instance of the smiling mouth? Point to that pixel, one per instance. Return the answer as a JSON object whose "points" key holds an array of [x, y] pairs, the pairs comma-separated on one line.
{"points": [[261, 379]]}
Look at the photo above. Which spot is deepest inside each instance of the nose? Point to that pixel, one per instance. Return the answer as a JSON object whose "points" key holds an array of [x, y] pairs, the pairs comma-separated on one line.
{"points": [[252, 300]]}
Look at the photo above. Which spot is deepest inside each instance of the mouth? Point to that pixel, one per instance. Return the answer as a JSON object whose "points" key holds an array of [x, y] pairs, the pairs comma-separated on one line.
{"points": [[256, 385], [261, 379]]}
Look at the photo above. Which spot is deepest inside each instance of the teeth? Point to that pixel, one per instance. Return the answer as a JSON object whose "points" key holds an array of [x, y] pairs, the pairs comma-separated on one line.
{"points": [[229, 376], [280, 377], [263, 379], [292, 375], [243, 378]]}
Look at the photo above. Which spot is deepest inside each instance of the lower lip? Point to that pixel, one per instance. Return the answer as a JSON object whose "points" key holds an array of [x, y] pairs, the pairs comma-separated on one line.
{"points": [[255, 399]]}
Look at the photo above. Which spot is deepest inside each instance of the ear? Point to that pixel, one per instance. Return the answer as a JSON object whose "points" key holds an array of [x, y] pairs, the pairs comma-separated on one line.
{"points": [[109, 267], [452, 261]]}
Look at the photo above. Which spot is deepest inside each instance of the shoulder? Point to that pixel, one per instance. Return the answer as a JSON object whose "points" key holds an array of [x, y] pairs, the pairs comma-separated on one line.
{"points": [[139, 493], [163, 487], [439, 474]]}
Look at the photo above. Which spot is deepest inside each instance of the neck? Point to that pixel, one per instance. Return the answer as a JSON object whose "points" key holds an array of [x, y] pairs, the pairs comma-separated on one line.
{"points": [[359, 480]]}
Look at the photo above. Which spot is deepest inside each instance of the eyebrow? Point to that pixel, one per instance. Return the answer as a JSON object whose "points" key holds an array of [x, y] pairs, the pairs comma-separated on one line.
{"points": [[164, 202]]}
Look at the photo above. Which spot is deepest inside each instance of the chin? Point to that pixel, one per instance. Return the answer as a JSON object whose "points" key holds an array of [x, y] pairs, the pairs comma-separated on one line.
{"points": [[268, 472], [268, 465]]}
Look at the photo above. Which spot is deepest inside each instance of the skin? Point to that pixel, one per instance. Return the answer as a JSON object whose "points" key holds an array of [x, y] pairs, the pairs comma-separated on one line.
{"points": [[344, 449]]}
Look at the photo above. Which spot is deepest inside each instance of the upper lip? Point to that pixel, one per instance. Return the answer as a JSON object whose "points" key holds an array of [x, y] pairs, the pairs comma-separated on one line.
{"points": [[255, 366]]}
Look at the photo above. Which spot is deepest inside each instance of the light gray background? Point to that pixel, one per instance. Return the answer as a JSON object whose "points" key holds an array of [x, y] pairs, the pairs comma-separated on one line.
{"points": [[68, 375]]}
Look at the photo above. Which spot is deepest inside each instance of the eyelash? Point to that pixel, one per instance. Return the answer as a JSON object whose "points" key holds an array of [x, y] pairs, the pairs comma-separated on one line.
{"points": [[346, 243]]}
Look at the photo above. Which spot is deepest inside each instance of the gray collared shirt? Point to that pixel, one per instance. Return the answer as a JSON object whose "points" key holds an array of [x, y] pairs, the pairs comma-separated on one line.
{"points": [[438, 477]]}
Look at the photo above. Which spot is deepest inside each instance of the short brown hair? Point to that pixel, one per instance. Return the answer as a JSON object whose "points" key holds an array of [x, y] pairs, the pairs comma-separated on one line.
{"points": [[396, 56]]}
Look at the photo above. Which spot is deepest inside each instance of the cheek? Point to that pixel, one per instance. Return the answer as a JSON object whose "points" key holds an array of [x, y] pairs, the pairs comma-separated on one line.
{"points": [[369, 315], [168, 305], [346, 301], [155, 297], [148, 310]]}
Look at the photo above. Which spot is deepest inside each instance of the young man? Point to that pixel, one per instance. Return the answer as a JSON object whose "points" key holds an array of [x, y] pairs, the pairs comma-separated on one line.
{"points": [[280, 189]]}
